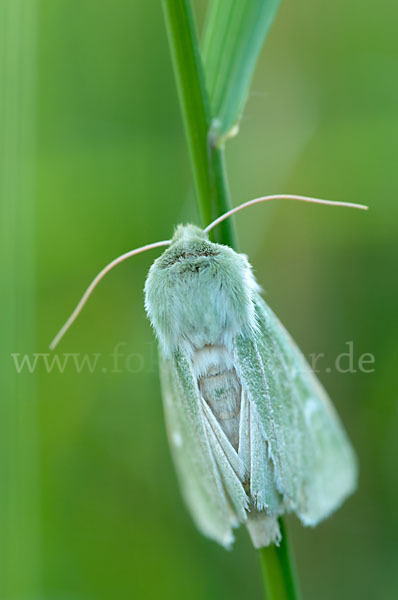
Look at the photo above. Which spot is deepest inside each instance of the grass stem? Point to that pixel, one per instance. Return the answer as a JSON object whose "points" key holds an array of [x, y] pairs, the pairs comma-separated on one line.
{"points": [[20, 569], [211, 187], [278, 570], [207, 160]]}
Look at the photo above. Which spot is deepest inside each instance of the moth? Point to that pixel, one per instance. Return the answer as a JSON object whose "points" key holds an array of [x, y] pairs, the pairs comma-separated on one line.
{"points": [[252, 432]]}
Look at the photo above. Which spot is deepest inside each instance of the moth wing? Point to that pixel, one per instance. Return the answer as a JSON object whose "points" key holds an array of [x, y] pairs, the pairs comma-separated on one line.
{"points": [[314, 464], [205, 467], [266, 501], [254, 449]]}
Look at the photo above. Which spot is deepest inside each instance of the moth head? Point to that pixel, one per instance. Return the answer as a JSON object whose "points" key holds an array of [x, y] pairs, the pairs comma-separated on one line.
{"points": [[190, 250], [199, 293], [216, 267]]}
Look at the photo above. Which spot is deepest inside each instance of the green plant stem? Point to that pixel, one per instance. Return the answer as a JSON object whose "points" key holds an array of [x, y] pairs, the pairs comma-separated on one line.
{"points": [[20, 570], [212, 192], [277, 566], [207, 160]]}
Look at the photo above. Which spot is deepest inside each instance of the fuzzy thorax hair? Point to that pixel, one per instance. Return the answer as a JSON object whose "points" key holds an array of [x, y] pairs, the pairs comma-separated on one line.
{"points": [[198, 293]]}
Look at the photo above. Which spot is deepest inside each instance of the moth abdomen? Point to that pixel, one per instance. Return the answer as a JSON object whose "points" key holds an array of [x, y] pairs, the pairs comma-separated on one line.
{"points": [[220, 387]]}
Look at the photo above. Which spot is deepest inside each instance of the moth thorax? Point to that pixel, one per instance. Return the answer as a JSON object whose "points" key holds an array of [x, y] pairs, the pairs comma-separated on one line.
{"points": [[220, 388]]}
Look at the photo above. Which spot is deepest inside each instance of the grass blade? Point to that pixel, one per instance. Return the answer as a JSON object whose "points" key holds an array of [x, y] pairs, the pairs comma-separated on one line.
{"points": [[19, 472], [233, 37]]}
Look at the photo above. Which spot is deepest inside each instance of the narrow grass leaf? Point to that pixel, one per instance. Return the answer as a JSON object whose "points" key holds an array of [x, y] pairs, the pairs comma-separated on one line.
{"points": [[234, 34], [19, 469]]}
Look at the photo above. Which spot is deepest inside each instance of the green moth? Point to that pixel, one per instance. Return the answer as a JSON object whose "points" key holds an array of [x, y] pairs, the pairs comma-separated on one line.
{"points": [[252, 432]]}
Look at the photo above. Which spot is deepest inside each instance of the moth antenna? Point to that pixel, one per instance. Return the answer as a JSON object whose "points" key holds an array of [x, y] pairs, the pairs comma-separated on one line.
{"points": [[280, 197], [96, 281]]}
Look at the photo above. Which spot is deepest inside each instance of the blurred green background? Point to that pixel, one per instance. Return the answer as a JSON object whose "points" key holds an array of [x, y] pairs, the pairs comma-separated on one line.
{"points": [[92, 507]]}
